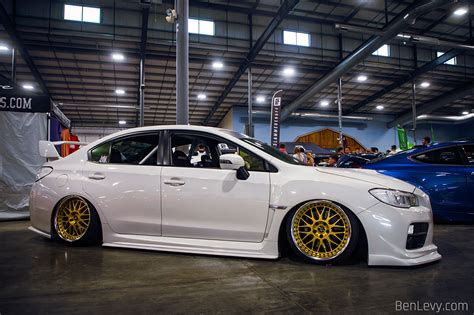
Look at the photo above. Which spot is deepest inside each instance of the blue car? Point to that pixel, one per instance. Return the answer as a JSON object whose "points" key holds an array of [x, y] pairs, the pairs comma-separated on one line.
{"points": [[445, 171]]}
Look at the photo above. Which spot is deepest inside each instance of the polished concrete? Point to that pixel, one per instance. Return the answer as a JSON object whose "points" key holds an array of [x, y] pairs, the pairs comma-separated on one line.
{"points": [[41, 276]]}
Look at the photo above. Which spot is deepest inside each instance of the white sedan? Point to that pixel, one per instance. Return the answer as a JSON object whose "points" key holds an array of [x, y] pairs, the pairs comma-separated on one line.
{"points": [[213, 191]]}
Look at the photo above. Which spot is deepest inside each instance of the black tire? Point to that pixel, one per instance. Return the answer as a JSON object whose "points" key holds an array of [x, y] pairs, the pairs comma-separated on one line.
{"points": [[76, 222], [334, 227]]}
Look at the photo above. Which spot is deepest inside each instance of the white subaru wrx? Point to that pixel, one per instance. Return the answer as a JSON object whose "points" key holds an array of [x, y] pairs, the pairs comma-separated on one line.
{"points": [[213, 191]]}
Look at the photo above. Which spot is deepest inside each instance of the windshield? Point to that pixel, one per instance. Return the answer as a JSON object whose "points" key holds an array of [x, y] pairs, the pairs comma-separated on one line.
{"points": [[272, 151]]}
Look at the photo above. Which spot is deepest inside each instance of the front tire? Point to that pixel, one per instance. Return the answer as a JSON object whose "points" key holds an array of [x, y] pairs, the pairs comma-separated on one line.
{"points": [[76, 221], [322, 232]]}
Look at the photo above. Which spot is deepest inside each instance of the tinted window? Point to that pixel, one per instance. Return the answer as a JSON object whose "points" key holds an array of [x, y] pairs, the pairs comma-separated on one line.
{"points": [[100, 154], [448, 156], [273, 151], [189, 150], [135, 150], [469, 151]]}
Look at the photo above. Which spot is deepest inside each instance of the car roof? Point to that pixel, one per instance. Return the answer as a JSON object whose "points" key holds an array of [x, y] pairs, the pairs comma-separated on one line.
{"points": [[436, 146]]}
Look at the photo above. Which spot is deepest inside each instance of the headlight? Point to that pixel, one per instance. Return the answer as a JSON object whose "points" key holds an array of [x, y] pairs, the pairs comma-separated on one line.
{"points": [[43, 172], [396, 198]]}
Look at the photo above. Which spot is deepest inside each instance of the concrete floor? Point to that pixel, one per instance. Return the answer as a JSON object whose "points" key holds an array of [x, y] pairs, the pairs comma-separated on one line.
{"points": [[40, 276]]}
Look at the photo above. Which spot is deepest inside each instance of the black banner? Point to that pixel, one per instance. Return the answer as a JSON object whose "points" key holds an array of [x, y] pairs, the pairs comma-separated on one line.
{"points": [[28, 104], [275, 119]]}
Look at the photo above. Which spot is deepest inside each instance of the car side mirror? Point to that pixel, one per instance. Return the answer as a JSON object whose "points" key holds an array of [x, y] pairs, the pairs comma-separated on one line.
{"points": [[242, 173], [231, 162]]}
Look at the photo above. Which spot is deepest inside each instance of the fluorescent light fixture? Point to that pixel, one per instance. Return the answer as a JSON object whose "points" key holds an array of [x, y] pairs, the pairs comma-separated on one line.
{"points": [[120, 92], [122, 122], [379, 107], [362, 78], [260, 99], [288, 72], [118, 57], [425, 84], [28, 86], [324, 103], [460, 11], [4, 47], [202, 96], [465, 112], [217, 65]]}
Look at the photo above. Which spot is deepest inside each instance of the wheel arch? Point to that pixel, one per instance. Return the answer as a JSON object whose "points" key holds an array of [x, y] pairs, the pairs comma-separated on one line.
{"points": [[54, 234], [362, 246]]}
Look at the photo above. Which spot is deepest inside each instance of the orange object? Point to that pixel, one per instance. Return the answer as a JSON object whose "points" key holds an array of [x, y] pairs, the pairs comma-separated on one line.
{"points": [[65, 136]]}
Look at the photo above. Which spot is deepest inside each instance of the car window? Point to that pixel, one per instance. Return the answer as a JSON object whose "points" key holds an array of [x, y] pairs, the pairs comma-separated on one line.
{"points": [[193, 150], [135, 150], [469, 151], [446, 156]]}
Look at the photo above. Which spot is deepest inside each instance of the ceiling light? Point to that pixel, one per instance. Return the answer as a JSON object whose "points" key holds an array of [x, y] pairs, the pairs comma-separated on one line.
{"points": [[324, 103], [379, 107], [118, 57], [260, 99], [202, 96], [28, 87], [362, 78], [460, 11], [425, 84], [120, 92], [217, 65], [465, 112], [3, 47], [288, 72], [122, 122]]}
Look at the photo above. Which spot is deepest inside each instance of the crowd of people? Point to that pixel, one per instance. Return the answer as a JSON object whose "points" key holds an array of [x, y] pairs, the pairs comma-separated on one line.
{"points": [[308, 158]]}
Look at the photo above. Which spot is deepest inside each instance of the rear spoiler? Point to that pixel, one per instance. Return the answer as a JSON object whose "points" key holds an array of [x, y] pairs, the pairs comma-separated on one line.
{"points": [[48, 150]]}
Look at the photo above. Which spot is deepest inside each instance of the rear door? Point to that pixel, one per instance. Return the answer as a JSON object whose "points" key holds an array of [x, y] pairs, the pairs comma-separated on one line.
{"points": [[442, 173], [468, 151], [122, 179]]}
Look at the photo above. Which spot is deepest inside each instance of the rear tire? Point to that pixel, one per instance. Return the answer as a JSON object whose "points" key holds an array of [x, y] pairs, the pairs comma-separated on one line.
{"points": [[322, 232], [77, 222]]}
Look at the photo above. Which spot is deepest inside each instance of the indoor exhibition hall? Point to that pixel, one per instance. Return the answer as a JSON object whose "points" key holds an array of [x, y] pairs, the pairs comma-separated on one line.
{"points": [[236, 157]]}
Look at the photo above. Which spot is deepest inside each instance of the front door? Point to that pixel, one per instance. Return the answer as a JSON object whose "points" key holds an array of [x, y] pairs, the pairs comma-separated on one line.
{"points": [[200, 200], [469, 171], [123, 180]]}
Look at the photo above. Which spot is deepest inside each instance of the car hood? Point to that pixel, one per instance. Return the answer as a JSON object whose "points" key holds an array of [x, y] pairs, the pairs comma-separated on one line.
{"points": [[368, 176]]}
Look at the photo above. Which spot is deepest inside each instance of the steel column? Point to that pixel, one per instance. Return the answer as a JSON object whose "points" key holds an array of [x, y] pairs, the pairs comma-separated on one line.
{"points": [[143, 44], [13, 75], [182, 63], [339, 109], [413, 109]]}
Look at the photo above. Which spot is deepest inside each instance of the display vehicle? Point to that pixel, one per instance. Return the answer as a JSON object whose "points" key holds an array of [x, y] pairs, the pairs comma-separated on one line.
{"points": [[206, 190], [445, 171]]}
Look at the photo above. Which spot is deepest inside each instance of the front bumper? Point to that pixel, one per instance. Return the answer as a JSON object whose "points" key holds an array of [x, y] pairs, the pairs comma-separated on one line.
{"points": [[387, 227]]}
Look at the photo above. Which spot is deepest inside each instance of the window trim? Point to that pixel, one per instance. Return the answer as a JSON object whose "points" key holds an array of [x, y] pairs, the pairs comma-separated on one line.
{"points": [[158, 133], [82, 13], [296, 33], [269, 168], [455, 146], [464, 155], [199, 26]]}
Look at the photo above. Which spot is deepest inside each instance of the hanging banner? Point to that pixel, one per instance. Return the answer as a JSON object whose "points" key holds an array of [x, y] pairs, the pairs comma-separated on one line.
{"points": [[402, 138], [275, 119], [27, 104]]}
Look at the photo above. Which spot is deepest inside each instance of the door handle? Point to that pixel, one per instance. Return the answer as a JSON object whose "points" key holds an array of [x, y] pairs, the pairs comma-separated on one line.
{"points": [[174, 182], [97, 176]]}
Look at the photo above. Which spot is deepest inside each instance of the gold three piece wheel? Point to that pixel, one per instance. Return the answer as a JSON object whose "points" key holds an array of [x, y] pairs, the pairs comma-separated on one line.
{"points": [[321, 230], [73, 218]]}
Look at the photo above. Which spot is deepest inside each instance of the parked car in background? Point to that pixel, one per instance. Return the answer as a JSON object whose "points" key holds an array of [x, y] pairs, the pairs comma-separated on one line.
{"points": [[445, 171]]}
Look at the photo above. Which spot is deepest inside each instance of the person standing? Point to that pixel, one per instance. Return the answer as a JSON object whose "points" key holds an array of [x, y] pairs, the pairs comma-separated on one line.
{"points": [[309, 159], [299, 154], [426, 142], [282, 148]]}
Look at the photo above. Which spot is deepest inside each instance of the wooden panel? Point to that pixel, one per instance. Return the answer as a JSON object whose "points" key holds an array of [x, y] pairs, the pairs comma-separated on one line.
{"points": [[328, 139]]}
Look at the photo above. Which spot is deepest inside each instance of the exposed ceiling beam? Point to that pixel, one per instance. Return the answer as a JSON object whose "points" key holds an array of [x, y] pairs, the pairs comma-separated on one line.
{"points": [[407, 78], [283, 12], [18, 43], [404, 20], [431, 106]]}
